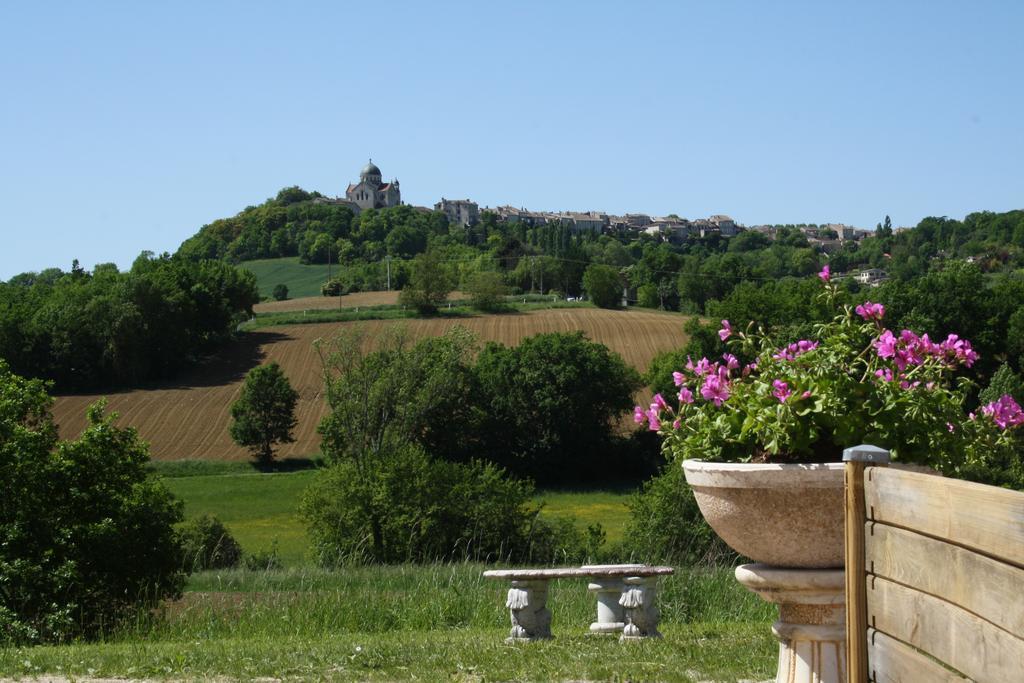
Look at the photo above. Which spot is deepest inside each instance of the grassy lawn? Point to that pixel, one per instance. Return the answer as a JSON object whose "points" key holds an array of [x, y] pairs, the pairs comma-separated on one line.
{"points": [[433, 622], [302, 280], [261, 510]]}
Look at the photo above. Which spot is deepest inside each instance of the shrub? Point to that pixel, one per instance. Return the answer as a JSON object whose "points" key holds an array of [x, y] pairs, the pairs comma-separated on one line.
{"points": [[550, 404], [391, 509], [207, 544], [264, 560], [280, 292], [666, 526], [86, 535], [486, 291], [332, 288], [603, 285], [429, 284]]}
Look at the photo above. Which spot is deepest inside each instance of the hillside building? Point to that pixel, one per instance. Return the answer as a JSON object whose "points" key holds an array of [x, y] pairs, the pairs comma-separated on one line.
{"points": [[459, 211], [371, 193]]}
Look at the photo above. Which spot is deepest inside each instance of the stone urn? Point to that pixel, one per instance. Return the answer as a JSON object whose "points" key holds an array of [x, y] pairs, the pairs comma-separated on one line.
{"points": [[789, 520], [779, 515]]}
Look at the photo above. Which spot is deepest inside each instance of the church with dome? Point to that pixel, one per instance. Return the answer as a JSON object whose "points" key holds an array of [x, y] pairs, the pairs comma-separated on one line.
{"points": [[371, 193]]}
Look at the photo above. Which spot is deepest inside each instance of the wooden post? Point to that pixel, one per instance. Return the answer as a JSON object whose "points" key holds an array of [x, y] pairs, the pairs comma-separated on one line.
{"points": [[857, 459]]}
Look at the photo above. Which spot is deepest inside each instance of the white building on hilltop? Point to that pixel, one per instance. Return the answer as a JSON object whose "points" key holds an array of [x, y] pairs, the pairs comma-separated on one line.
{"points": [[371, 193]]}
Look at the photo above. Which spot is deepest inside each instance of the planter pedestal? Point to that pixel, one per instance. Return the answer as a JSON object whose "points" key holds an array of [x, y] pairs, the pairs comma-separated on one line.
{"points": [[812, 620]]}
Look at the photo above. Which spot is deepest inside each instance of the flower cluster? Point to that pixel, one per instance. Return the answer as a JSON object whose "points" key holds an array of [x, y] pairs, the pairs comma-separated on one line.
{"points": [[1004, 412], [855, 381], [910, 349], [794, 350]]}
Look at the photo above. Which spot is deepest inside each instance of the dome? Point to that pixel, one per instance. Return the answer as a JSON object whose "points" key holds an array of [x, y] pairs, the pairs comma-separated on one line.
{"points": [[369, 169]]}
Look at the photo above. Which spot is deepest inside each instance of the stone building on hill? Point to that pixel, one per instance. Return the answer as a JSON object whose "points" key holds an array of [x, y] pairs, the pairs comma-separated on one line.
{"points": [[371, 193], [459, 211]]}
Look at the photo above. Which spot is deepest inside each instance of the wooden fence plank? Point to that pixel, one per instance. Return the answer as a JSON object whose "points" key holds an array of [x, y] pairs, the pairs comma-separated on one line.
{"points": [[951, 634], [891, 661], [991, 589], [984, 518]]}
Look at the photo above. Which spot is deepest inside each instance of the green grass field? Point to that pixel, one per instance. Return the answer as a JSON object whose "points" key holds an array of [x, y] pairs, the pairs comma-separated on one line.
{"points": [[438, 622], [434, 622], [302, 280], [261, 510]]}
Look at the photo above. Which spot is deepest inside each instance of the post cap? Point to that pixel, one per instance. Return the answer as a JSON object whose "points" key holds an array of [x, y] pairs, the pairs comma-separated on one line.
{"points": [[866, 453]]}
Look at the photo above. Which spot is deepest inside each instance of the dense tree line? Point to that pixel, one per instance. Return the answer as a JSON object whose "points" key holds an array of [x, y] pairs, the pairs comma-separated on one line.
{"points": [[101, 329]]}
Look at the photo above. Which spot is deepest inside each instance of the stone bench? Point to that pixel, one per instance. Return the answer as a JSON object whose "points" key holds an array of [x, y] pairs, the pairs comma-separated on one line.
{"points": [[626, 596]]}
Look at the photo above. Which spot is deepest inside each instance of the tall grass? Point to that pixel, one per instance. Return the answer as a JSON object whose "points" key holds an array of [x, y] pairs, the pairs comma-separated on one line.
{"points": [[432, 622]]}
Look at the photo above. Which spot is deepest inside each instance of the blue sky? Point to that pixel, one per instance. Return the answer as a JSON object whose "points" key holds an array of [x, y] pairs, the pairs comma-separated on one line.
{"points": [[127, 126]]}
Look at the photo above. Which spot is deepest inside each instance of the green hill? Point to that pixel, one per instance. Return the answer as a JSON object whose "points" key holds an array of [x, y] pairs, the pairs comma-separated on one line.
{"points": [[301, 280]]}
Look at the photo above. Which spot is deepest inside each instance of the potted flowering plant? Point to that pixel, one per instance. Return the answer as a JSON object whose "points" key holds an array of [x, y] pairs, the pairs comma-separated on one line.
{"points": [[761, 440]]}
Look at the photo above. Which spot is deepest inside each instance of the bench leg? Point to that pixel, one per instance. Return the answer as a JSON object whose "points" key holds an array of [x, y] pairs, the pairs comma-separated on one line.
{"points": [[639, 595], [610, 615], [527, 604]]}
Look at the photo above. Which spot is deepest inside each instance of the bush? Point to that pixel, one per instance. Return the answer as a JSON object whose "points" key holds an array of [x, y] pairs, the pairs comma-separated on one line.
{"points": [[603, 285], [388, 510], [486, 291], [264, 560], [86, 535], [280, 292], [666, 526], [207, 544], [332, 288], [550, 404], [429, 284]]}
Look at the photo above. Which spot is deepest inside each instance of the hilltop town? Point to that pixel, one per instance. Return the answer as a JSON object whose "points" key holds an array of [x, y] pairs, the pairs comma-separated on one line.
{"points": [[371, 192]]}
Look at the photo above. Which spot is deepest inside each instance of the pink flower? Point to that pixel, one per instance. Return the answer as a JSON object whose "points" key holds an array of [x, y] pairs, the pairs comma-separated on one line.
{"points": [[957, 350], [715, 390], [781, 390], [731, 361], [659, 403], [676, 423], [884, 373], [678, 378], [886, 345], [825, 274], [950, 427], [805, 395], [795, 349], [703, 367], [870, 311], [1005, 412], [689, 364], [685, 395], [726, 330], [653, 420], [749, 368], [639, 415]]}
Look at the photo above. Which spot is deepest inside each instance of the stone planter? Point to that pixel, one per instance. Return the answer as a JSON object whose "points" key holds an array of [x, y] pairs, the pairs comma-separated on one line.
{"points": [[778, 515]]}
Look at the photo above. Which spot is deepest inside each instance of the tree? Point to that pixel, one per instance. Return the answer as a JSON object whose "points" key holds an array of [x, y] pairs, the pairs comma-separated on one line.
{"points": [[603, 285], [429, 283], [280, 292], [486, 290], [265, 412], [398, 394], [87, 533], [550, 404]]}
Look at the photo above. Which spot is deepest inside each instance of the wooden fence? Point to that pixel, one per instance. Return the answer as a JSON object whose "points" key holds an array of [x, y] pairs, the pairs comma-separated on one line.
{"points": [[935, 578]]}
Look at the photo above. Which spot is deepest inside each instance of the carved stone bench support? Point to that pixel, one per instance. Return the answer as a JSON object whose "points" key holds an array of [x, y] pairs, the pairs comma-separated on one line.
{"points": [[625, 599], [527, 605], [640, 609]]}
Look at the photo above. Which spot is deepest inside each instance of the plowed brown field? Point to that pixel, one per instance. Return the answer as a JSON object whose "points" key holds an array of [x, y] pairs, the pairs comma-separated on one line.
{"points": [[323, 303], [189, 418]]}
